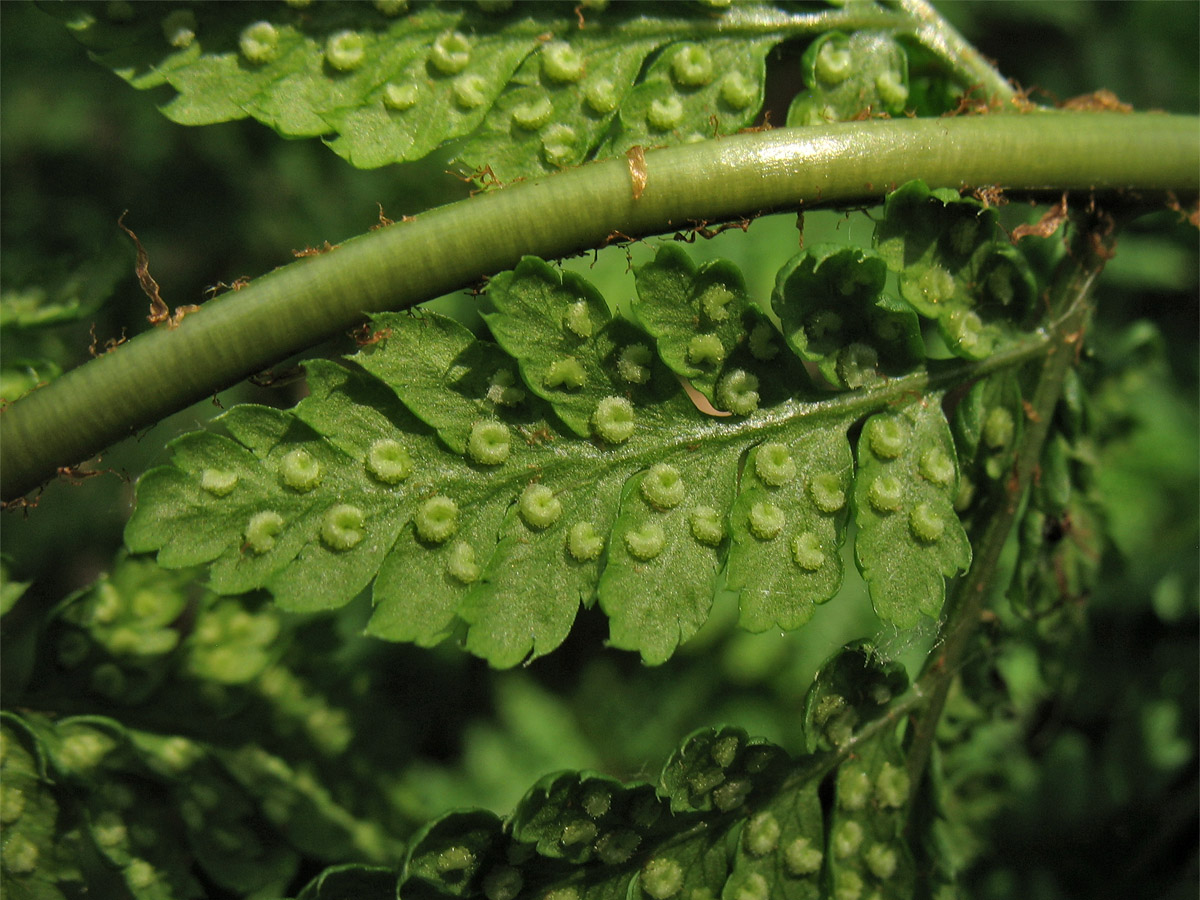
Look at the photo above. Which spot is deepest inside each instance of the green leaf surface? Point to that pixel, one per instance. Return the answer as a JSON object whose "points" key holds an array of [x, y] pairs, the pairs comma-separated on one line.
{"points": [[987, 426], [157, 810], [731, 816], [954, 267], [850, 76], [867, 850], [696, 316], [808, 483], [10, 591], [491, 489], [522, 92], [32, 861], [35, 300], [850, 691], [834, 314], [909, 534]]}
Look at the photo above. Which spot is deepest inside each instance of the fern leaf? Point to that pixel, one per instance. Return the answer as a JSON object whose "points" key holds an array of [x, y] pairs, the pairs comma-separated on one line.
{"points": [[695, 316], [951, 268], [490, 489], [867, 843], [525, 92], [910, 535], [729, 816], [236, 818], [846, 75], [36, 857], [815, 505], [834, 313], [987, 426]]}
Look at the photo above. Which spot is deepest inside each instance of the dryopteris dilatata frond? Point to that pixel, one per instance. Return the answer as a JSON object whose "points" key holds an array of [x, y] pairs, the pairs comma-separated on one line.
{"points": [[726, 813], [529, 89], [495, 487], [729, 816], [294, 307]]}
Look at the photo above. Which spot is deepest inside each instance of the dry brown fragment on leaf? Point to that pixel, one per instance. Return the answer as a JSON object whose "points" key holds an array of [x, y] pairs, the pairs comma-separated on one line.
{"points": [[1046, 225], [158, 307], [538, 437], [765, 126], [238, 283], [972, 104], [384, 221], [1098, 101], [636, 155], [869, 112], [699, 401], [1102, 247], [700, 228], [483, 176], [486, 178], [364, 336], [619, 237], [1020, 98], [1101, 243]]}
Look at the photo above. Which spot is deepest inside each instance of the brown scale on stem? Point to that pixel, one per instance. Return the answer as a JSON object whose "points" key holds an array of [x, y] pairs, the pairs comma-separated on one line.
{"points": [[701, 229], [238, 283], [110, 345], [314, 251], [990, 195], [158, 307], [159, 311], [1098, 101], [636, 155]]}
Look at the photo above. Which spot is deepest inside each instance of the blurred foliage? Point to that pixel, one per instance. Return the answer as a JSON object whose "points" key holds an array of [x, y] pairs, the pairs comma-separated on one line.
{"points": [[1068, 754]]}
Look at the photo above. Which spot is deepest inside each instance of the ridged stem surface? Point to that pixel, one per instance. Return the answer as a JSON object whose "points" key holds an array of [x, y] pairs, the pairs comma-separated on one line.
{"points": [[454, 246]]}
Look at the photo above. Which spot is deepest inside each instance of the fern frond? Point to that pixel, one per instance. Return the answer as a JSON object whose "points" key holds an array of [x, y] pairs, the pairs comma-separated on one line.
{"points": [[526, 90], [729, 816], [204, 815], [489, 489]]}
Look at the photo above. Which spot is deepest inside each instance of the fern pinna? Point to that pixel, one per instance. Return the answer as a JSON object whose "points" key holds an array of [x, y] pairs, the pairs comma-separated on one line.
{"points": [[527, 91], [638, 460]]}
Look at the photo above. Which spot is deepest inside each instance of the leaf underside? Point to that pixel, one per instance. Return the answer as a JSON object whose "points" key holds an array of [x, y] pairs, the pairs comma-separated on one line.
{"points": [[729, 815], [641, 462], [522, 91]]}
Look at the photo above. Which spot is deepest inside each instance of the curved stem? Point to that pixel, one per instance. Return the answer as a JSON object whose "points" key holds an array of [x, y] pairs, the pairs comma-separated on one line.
{"points": [[452, 247]]}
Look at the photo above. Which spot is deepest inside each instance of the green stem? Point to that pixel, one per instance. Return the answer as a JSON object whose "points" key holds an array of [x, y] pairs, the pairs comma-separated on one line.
{"points": [[449, 248], [1070, 299]]}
